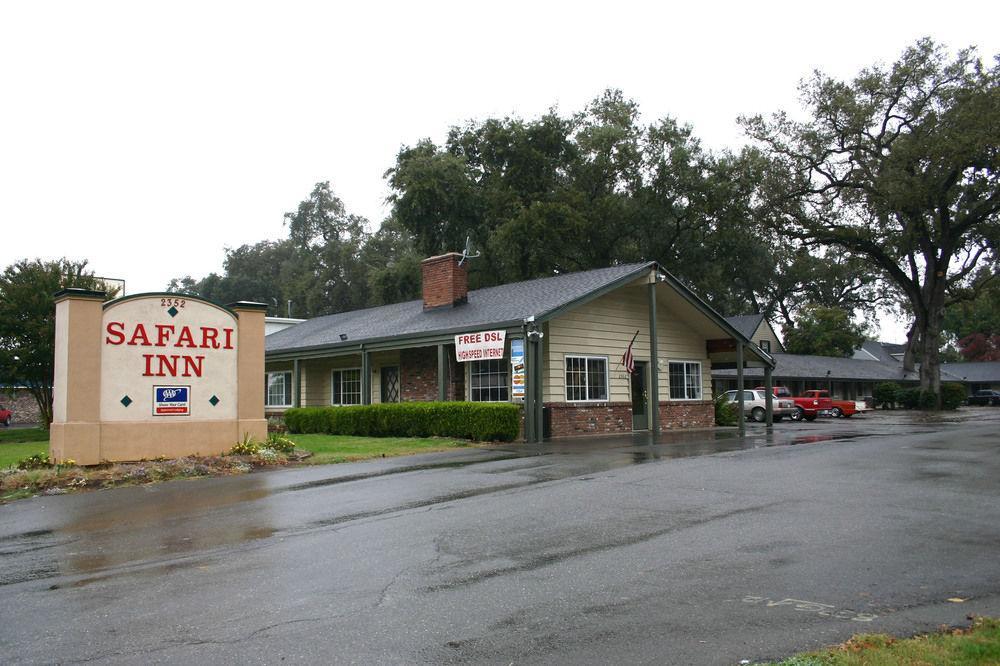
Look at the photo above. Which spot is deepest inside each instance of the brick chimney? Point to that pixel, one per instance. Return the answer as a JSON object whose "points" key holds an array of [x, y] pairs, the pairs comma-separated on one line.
{"points": [[446, 284]]}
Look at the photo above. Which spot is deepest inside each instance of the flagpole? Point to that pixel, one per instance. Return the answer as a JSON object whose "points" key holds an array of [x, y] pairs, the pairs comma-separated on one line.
{"points": [[629, 347]]}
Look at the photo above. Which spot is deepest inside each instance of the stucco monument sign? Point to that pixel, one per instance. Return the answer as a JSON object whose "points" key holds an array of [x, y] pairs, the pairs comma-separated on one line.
{"points": [[154, 375]]}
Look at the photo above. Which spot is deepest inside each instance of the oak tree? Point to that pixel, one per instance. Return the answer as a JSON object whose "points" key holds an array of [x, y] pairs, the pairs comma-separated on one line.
{"points": [[898, 166]]}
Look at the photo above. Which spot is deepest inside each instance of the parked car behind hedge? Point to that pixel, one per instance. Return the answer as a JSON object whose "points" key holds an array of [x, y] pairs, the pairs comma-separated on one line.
{"points": [[985, 397]]}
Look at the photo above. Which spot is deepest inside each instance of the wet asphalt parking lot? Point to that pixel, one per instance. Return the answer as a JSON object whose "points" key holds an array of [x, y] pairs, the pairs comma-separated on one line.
{"points": [[701, 548]]}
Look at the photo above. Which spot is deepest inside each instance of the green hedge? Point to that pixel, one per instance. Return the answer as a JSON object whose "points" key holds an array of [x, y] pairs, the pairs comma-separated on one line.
{"points": [[467, 420], [725, 412], [915, 398], [952, 395]]}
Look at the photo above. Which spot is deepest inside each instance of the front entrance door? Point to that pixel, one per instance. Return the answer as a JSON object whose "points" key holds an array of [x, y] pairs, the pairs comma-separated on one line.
{"points": [[390, 384], [640, 418]]}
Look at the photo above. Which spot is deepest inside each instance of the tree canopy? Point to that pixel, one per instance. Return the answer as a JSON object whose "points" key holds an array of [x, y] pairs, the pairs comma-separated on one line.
{"points": [[974, 322], [885, 194], [823, 331], [27, 322], [328, 262], [897, 167]]}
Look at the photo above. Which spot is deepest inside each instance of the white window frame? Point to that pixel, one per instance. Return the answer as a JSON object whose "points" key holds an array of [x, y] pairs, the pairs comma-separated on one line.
{"points": [[670, 380], [765, 345], [586, 374], [361, 387], [503, 362], [288, 386]]}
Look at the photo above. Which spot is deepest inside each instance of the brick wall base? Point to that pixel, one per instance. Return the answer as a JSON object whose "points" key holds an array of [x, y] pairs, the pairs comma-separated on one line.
{"points": [[590, 419], [606, 418], [675, 415]]}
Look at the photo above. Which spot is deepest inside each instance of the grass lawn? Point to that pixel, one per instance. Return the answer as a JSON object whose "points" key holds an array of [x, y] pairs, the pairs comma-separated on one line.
{"points": [[341, 448], [978, 645], [18, 444]]}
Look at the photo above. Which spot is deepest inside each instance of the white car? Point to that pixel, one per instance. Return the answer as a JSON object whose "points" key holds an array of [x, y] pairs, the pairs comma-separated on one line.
{"points": [[755, 408]]}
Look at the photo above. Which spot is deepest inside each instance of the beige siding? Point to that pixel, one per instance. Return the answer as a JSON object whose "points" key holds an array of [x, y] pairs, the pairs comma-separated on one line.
{"points": [[316, 390], [605, 326], [764, 332]]}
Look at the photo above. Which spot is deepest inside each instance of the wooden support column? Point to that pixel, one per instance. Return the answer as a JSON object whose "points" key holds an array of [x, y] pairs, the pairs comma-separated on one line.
{"points": [[654, 364], [442, 374], [296, 383], [769, 397], [366, 377], [741, 417], [529, 390], [536, 389]]}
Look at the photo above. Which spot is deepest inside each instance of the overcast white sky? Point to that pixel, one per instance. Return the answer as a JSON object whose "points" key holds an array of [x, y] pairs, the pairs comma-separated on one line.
{"points": [[147, 137]]}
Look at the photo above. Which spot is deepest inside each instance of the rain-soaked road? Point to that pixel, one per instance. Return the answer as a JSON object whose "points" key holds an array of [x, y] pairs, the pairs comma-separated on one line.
{"points": [[703, 548]]}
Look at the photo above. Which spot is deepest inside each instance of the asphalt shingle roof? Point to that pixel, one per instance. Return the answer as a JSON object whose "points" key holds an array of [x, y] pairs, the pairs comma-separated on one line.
{"points": [[486, 307], [980, 372], [797, 366], [746, 324]]}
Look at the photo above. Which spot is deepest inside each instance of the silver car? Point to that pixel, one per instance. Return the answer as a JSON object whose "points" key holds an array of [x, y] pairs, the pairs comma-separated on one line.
{"points": [[754, 406]]}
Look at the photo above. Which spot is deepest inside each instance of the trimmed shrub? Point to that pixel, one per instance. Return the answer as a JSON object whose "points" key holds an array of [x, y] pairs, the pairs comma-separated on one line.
{"points": [[480, 421], [927, 400], [725, 412], [886, 394], [915, 398], [908, 398], [952, 395]]}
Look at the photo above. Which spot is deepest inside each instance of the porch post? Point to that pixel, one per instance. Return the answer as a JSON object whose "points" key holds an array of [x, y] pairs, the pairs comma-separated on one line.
{"points": [[654, 364], [442, 375], [739, 388], [366, 377], [539, 403], [296, 384], [529, 391], [769, 395]]}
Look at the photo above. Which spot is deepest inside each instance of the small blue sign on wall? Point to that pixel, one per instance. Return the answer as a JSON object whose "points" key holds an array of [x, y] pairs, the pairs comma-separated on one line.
{"points": [[171, 400]]}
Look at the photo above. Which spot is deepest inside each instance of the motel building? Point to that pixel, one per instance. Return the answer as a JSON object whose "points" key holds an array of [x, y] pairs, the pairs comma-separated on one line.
{"points": [[554, 345]]}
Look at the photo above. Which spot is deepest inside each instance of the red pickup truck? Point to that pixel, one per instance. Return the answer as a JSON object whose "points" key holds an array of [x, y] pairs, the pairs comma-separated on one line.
{"points": [[809, 406], [845, 408]]}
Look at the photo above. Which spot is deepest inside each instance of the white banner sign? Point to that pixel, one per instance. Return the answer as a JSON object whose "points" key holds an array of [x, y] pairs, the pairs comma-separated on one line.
{"points": [[479, 346]]}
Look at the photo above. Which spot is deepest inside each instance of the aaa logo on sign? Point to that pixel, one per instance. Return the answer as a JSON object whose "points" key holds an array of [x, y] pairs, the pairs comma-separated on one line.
{"points": [[171, 400]]}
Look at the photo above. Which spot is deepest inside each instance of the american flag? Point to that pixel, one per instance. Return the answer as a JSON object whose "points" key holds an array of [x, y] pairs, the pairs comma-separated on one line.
{"points": [[627, 360]]}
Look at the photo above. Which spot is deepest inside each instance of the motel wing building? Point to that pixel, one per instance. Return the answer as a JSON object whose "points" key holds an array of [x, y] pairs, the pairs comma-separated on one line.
{"points": [[561, 338]]}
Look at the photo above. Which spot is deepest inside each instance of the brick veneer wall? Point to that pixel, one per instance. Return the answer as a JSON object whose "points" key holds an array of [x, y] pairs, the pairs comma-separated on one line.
{"points": [[590, 419], [418, 374], [616, 417], [675, 415]]}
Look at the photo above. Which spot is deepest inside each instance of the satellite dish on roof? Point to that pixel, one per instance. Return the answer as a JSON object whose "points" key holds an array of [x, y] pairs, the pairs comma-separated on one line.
{"points": [[467, 252]]}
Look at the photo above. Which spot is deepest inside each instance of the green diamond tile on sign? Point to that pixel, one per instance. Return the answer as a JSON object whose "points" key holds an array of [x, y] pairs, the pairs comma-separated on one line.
{"points": [[172, 311], [214, 400], [126, 401]]}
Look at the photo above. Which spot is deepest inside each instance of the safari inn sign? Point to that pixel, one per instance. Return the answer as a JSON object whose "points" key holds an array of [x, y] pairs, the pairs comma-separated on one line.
{"points": [[155, 375]]}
